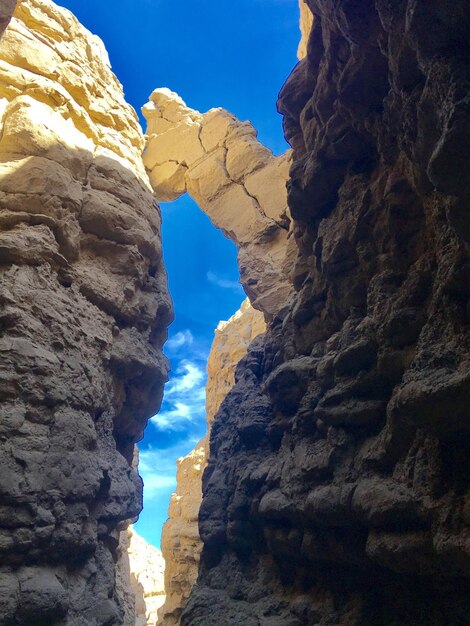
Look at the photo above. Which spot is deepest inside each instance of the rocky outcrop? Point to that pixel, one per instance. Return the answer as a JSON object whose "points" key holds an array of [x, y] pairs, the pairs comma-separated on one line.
{"points": [[234, 179], [181, 544], [306, 23], [145, 569], [231, 342], [337, 489], [84, 308]]}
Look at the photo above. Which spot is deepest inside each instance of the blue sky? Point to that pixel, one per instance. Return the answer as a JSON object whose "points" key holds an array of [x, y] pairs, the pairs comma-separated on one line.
{"points": [[213, 53]]}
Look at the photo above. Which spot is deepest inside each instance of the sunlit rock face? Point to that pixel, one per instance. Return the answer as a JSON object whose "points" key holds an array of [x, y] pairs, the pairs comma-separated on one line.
{"points": [[337, 488], [234, 179], [84, 308], [143, 565], [306, 23], [181, 544]]}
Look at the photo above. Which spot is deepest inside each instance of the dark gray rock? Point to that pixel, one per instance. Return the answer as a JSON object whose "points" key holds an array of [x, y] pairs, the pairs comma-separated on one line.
{"points": [[353, 499]]}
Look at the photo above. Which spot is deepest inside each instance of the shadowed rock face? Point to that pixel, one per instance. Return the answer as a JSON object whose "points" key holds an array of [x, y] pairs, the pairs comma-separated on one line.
{"points": [[83, 314], [337, 490], [181, 544], [6, 11]]}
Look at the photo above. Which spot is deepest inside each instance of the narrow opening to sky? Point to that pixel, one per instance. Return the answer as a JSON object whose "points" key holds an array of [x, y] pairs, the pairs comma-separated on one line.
{"points": [[235, 55]]}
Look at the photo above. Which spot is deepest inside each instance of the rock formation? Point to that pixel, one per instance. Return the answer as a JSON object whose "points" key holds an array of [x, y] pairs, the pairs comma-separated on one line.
{"points": [[337, 488], [84, 310], [234, 179], [230, 345], [306, 23], [143, 565], [181, 544]]}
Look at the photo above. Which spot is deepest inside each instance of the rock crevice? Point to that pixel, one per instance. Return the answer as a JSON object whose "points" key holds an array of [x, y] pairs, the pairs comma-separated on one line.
{"points": [[181, 543]]}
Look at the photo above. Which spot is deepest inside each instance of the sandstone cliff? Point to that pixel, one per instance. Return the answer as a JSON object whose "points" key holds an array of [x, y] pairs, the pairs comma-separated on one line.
{"points": [[84, 307], [234, 179], [145, 568], [337, 488], [306, 23], [181, 544]]}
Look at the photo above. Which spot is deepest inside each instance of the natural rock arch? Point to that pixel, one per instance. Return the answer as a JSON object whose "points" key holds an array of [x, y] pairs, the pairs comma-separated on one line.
{"points": [[234, 179]]}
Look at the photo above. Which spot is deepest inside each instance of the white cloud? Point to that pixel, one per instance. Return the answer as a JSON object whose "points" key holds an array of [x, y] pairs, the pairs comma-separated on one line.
{"points": [[188, 376], [185, 398], [184, 338], [158, 471], [170, 419], [224, 283]]}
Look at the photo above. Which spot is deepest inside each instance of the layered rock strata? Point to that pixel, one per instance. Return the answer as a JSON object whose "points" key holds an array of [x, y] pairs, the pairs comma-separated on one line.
{"points": [[84, 310], [337, 488], [181, 544], [234, 179]]}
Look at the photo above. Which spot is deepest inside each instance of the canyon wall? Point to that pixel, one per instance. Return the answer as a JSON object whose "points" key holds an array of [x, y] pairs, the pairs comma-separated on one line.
{"points": [[234, 179], [337, 488], [84, 310], [306, 23], [181, 544], [141, 569]]}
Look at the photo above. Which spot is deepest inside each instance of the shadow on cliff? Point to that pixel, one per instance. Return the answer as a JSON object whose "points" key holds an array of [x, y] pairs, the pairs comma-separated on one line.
{"points": [[84, 313]]}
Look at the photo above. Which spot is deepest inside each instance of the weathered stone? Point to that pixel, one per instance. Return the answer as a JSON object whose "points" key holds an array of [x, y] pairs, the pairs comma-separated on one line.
{"points": [[234, 179], [181, 543], [84, 305], [306, 23], [350, 505], [6, 11], [143, 565]]}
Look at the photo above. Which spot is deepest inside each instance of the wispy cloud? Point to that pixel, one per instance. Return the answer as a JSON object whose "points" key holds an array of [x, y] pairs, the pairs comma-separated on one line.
{"points": [[185, 397], [182, 339], [188, 378], [157, 466], [222, 282]]}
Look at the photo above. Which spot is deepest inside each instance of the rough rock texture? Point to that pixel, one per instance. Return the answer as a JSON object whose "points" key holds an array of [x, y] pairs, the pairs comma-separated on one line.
{"points": [[337, 489], [6, 11], [181, 544], [234, 179], [146, 567], [306, 23], [83, 314], [230, 345]]}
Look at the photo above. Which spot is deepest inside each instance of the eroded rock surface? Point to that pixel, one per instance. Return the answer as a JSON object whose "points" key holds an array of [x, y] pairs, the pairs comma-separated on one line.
{"points": [[144, 566], [234, 179], [181, 544], [337, 489], [84, 310], [306, 23]]}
